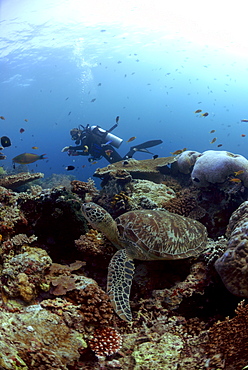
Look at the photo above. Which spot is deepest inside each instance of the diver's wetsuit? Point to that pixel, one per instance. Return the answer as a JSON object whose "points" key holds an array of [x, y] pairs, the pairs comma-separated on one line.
{"points": [[93, 142]]}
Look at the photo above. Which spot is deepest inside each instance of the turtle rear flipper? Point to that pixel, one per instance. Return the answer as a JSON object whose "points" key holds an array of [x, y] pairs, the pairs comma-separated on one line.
{"points": [[120, 276]]}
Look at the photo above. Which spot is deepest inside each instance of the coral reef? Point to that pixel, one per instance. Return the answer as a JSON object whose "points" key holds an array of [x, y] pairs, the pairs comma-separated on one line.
{"points": [[15, 181], [93, 243], [147, 169], [82, 189], [186, 161], [232, 265], [214, 166], [28, 342], [106, 341], [24, 272], [185, 203]]}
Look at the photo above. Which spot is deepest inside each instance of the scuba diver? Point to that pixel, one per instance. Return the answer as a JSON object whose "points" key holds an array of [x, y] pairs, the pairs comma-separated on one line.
{"points": [[98, 143]]}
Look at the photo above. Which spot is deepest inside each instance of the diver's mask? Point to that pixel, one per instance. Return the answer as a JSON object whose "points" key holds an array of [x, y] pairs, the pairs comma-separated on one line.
{"points": [[76, 135]]}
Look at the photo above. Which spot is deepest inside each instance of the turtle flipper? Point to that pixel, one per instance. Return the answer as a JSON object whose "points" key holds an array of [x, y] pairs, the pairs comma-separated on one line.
{"points": [[120, 276]]}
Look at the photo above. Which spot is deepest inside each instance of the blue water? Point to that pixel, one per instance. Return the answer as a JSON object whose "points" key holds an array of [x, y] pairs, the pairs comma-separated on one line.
{"points": [[50, 72]]}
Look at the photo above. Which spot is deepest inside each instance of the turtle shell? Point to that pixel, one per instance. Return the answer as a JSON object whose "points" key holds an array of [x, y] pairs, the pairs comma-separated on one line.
{"points": [[158, 234]]}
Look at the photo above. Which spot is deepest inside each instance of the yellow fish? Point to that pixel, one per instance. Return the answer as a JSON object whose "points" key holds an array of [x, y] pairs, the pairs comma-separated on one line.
{"points": [[235, 180], [131, 139], [214, 140], [108, 152], [86, 148], [238, 172], [35, 147], [26, 158], [179, 151]]}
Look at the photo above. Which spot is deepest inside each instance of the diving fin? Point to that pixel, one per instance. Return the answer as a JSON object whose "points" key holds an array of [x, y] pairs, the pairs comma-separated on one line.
{"points": [[142, 147]]}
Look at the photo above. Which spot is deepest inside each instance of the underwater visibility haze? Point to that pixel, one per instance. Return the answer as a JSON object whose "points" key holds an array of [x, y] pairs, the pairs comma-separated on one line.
{"points": [[69, 63]]}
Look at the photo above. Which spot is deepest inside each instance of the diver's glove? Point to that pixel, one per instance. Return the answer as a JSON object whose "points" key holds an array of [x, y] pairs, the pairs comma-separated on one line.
{"points": [[65, 149]]}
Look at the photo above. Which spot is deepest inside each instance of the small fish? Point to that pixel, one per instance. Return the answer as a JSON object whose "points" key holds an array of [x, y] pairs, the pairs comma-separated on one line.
{"points": [[1, 148], [2, 117], [5, 141], [198, 111], [69, 113], [242, 120], [235, 180], [242, 135], [26, 158], [86, 148], [83, 166], [214, 140], [236, 173], [155, 156], [117, 119], [92, 100], [179, 151], [212, 131], [21, 130], [99, 84], [205, 114], [70, 168], [2, 156], [26, 120], [35, 147], [67, 98], [108, 152], [95, 162], [219, 145], [131, 139]]}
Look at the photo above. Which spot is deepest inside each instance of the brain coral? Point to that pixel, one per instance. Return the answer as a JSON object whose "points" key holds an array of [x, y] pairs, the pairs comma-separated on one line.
{"points": [[214, 166], [232, 265], [186, 160]]}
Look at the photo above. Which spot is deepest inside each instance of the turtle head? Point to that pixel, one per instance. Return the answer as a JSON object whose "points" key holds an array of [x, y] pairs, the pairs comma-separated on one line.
{"points": [[102, 221]]}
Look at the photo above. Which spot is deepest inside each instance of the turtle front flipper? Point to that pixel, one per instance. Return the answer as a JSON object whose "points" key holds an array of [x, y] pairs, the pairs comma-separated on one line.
{"points": [[120, 276]]}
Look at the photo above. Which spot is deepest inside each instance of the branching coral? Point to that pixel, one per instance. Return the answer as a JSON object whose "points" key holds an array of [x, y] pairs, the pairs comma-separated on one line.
{"points": [[82, 188], [229, 338], [185, 204], [94, 304], [93, 243]]}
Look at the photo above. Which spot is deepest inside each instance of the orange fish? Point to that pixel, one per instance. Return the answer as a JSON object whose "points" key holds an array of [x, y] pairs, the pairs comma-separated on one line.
{"points": [[35, 147], [205, 114], [242, 135], [131, 139], [198, 111], [2, 117], [94, 162], [238, 172], [235, 180], [212, 131], [214, 140], [179, 151]]}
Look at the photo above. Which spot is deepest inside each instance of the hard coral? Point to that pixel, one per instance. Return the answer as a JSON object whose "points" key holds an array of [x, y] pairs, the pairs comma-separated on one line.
{"points": [[229, 339], [94, 304], [232, 265], [82, 188], [93, 243], [106, 341], [15, 181]]}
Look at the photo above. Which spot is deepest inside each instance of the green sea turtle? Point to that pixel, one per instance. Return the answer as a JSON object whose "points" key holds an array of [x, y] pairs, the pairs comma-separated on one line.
{"points": [[143, 235]]}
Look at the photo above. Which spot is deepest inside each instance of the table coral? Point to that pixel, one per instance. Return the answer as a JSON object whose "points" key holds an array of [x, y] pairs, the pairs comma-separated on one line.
{"points": [[214, 166], [17, 180], [232, 265]]}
